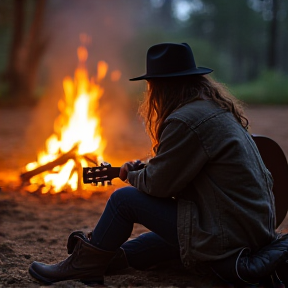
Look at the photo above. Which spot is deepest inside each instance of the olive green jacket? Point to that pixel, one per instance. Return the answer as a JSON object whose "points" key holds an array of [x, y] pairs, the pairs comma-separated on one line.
{"points": [[210, 163]]}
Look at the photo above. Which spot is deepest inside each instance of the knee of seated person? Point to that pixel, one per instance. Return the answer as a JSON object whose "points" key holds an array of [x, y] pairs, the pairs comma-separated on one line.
{"points": [[122, 193]]}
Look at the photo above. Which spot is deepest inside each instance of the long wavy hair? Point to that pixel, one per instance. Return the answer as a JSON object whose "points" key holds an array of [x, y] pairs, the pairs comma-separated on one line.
{"points": [[164, 95]]}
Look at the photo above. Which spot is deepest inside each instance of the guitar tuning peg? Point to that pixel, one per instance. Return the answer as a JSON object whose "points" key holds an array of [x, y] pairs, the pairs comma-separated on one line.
{"points": [[106, 164]]}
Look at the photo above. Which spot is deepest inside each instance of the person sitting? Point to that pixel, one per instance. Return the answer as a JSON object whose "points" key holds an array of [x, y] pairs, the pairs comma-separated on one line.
{"points": [[205, 196]]}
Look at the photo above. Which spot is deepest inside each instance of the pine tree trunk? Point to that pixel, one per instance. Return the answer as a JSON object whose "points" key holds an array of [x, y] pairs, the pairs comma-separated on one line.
{"points": [[273, 39]]}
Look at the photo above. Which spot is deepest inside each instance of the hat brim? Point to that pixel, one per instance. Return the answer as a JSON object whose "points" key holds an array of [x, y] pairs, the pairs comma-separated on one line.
{"points": [[194, 71]]}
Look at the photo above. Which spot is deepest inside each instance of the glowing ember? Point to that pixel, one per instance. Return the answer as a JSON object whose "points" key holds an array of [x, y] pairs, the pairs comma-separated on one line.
{"points": [[77, 134]]}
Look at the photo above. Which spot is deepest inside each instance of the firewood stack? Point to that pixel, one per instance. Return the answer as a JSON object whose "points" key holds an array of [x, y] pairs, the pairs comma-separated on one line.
{"points": [[53, 167]]}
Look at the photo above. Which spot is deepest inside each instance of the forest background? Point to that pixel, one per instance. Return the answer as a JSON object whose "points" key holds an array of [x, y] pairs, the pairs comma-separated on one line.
{"points": [[244, 41]]}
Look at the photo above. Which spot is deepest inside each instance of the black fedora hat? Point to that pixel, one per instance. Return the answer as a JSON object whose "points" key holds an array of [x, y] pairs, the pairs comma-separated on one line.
{"points": [[170, 60]]}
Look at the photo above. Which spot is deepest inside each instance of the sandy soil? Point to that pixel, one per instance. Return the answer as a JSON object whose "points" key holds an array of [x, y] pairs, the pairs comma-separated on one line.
{"points": [[36, 227]]}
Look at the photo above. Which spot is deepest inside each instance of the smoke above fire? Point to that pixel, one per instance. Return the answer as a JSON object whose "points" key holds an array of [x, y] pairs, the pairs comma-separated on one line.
{"points": [[109, 24]]}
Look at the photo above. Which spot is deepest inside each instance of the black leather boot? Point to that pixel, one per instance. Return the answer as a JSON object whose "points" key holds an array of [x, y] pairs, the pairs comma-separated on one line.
{"points": [[87, 263], [282, 273], [118, 264], [257, 268]]}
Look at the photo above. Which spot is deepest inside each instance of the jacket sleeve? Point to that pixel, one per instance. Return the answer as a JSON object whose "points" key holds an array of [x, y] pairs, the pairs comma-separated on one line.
{"points": [[179, 158]]}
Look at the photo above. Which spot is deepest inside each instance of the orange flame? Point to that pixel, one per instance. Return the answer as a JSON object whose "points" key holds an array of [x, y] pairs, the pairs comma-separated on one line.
{"points": [[76, 129]]}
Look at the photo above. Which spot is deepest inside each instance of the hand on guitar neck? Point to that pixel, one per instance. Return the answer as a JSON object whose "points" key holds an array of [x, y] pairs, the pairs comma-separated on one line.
{"points": [[129, 166], [105, 173]]}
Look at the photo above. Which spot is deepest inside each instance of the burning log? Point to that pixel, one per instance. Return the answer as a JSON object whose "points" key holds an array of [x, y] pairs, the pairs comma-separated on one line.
{"points": [[61, 160], [49, 166]]}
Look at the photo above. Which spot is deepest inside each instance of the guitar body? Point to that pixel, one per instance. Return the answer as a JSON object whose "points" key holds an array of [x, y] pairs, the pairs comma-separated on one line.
{"points": [[271, 153], [276, 162]]}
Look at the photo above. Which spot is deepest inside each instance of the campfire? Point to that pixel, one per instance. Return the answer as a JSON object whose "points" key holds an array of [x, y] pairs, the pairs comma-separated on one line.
{"points": [[77, 141]]}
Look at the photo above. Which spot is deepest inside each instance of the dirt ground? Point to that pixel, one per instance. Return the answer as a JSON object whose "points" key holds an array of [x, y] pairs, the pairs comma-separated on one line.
{"points": [[36, 227]]}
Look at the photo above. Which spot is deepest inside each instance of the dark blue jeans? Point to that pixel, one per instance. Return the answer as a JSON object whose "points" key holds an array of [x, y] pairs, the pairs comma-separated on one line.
{"points": [[127, 206]]}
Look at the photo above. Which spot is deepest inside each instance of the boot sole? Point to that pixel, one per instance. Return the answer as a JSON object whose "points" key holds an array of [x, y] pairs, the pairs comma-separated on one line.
{"points": [[49, 282], [39, 278]]}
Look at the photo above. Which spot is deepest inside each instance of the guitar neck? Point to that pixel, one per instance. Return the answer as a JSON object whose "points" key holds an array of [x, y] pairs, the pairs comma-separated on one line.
{"points": [[114, 172]]}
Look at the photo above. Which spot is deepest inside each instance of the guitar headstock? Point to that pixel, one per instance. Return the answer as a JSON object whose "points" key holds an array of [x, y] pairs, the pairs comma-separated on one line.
{"points": [[105, 173], [100, 174]]}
